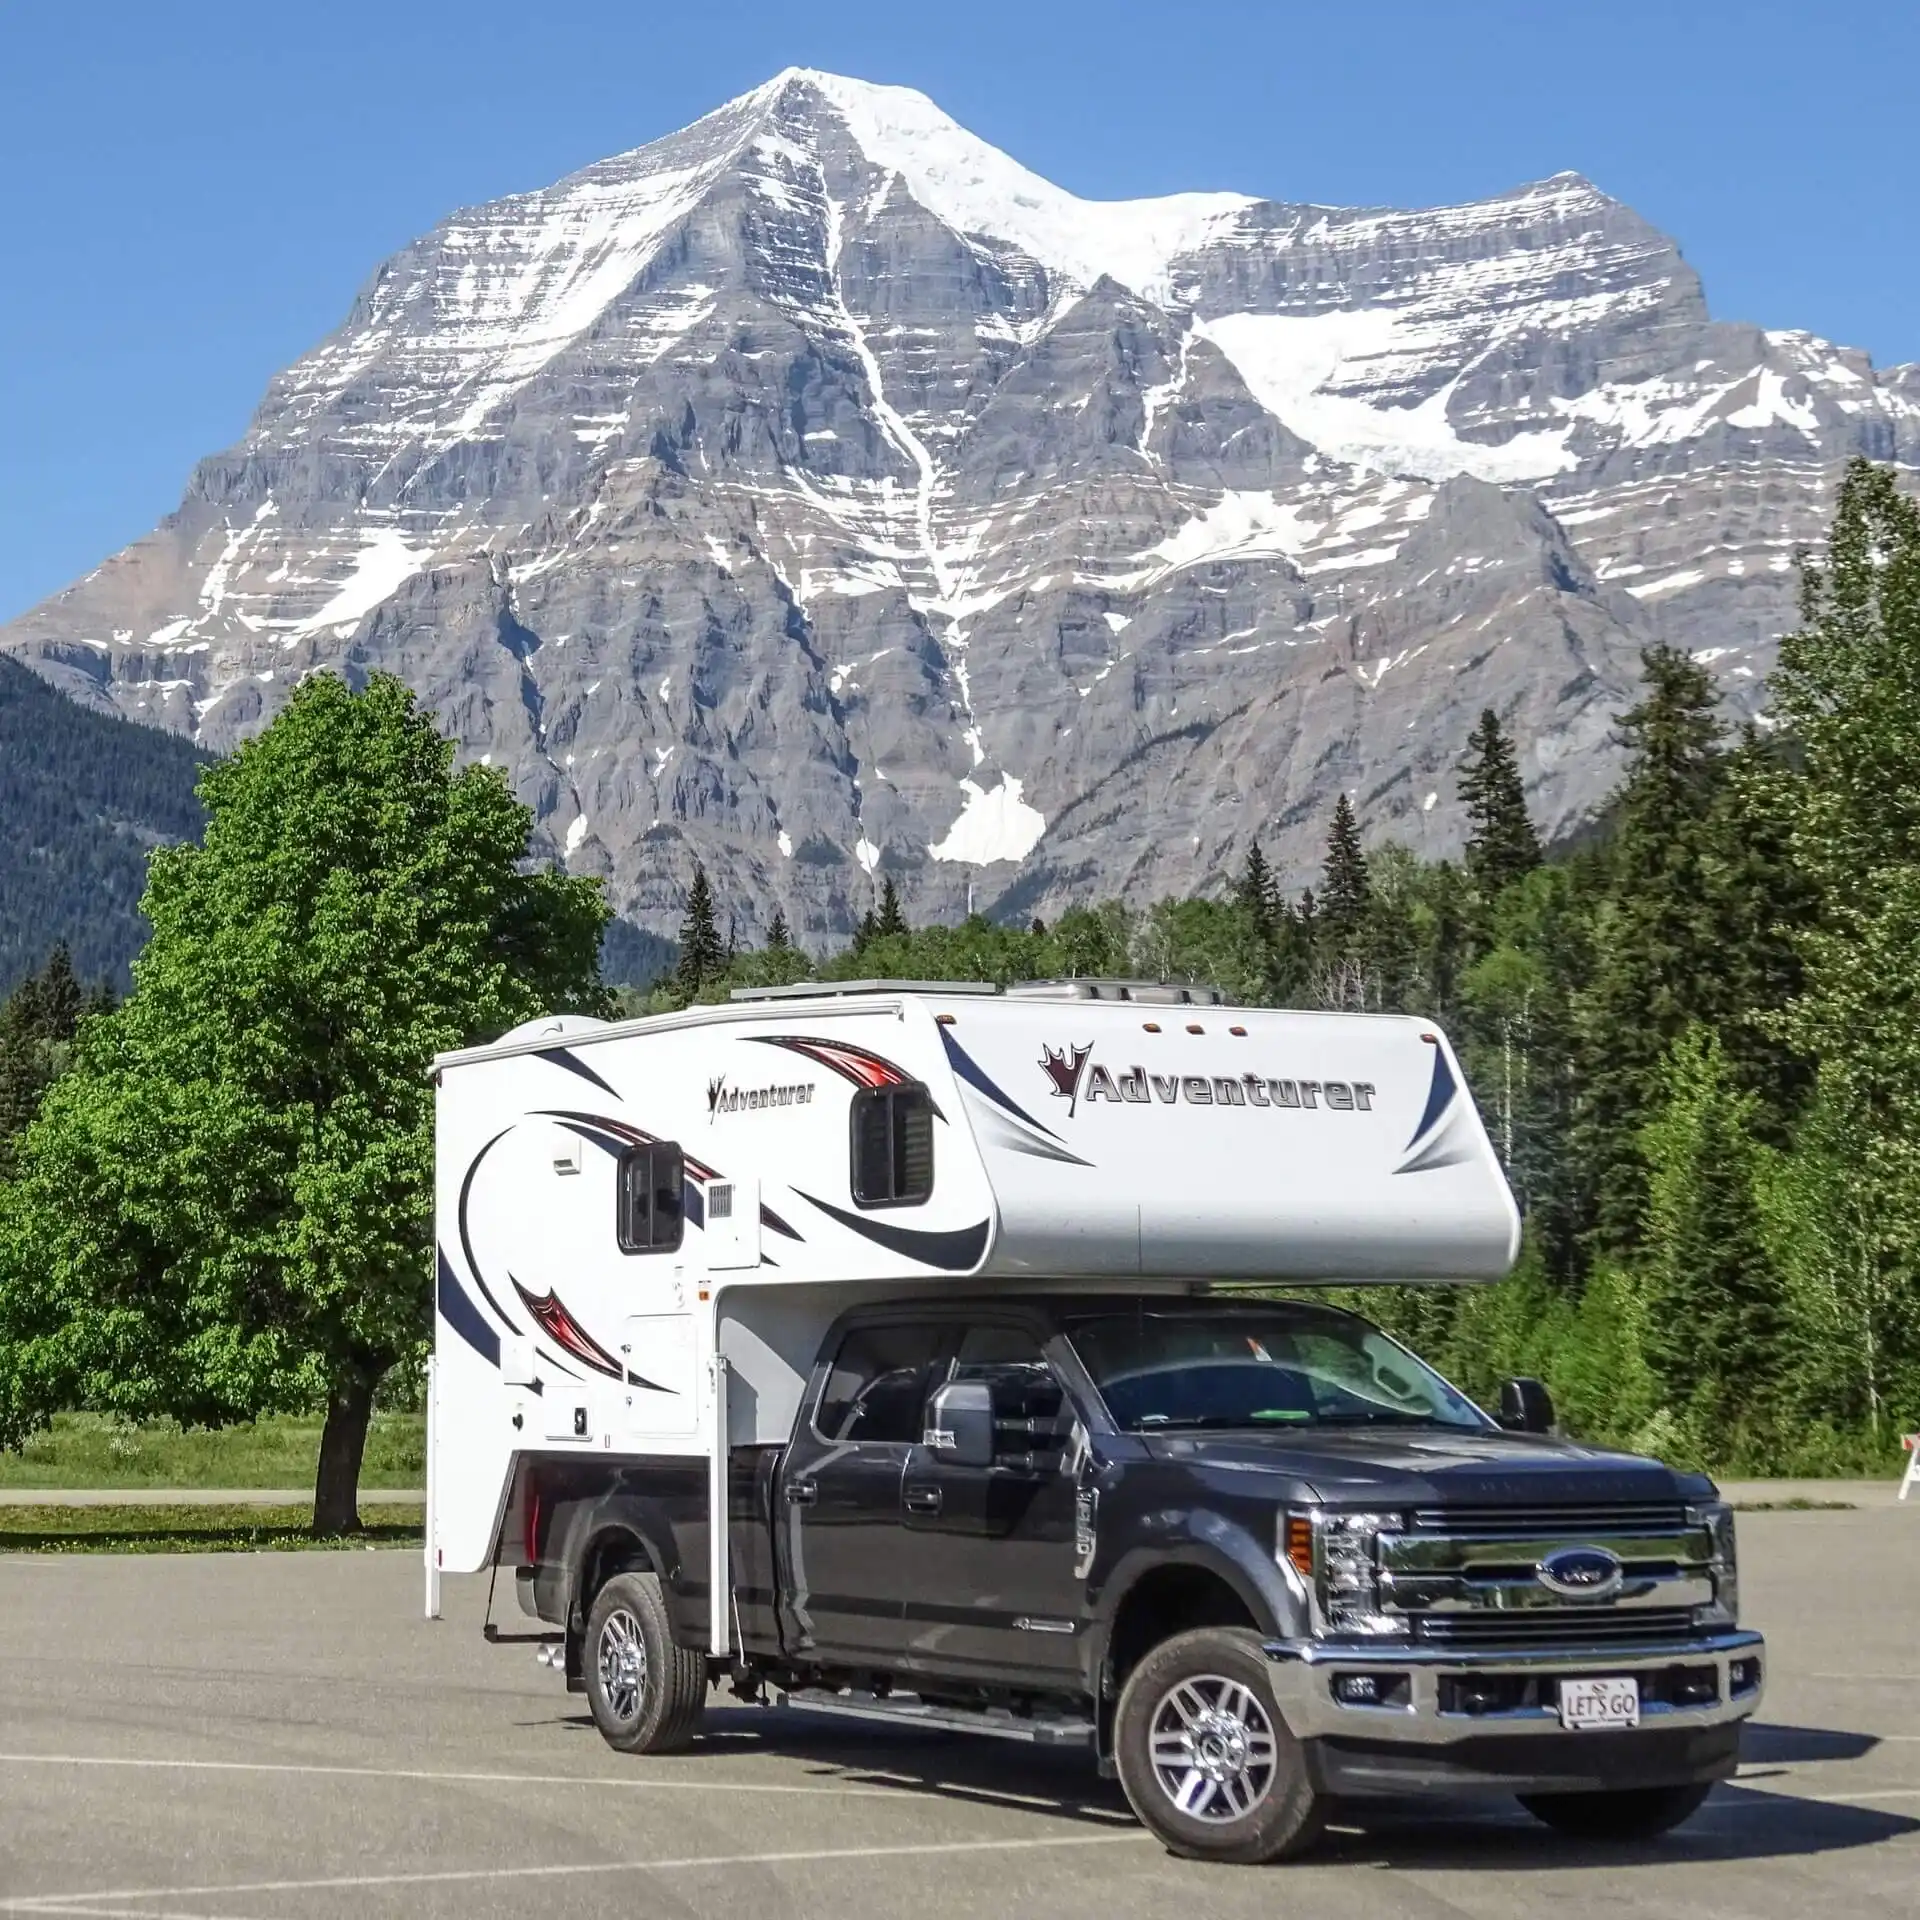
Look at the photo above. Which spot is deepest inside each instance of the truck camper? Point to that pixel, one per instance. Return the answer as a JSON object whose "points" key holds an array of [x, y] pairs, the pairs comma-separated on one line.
{"points": [[947, 1355]]}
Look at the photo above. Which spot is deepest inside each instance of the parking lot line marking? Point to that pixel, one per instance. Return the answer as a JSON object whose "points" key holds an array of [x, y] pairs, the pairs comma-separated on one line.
{"points": [[71, 1903], [427, 1773], [30, 1906], [1854, 1676]]}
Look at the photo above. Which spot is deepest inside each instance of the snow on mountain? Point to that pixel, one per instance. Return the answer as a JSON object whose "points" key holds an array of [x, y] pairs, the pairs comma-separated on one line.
{"points": [[820, 493]]}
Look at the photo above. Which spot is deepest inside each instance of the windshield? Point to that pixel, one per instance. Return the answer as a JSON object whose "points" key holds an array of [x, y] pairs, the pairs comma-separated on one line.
{"points": [[1274, 1365]]}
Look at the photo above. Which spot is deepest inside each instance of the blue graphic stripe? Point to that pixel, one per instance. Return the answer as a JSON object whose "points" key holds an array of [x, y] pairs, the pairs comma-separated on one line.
{"points": [[957, 1250], [970, 1070], [1439, 1094], [459, 1312], [566, 1057]]}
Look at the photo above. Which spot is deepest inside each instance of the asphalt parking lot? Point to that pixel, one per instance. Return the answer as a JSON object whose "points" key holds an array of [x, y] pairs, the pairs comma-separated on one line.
{"points": [[281, 1737]]}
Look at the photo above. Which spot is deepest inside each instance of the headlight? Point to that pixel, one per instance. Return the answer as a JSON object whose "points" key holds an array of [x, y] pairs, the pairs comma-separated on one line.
{"points": [[1338, 1555], [1723, 1561]]}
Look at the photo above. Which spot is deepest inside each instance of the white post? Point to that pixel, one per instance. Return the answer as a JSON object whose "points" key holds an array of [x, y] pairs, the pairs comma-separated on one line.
{"points": [[430, 1550], [719, 1566], [1911, 1478]]}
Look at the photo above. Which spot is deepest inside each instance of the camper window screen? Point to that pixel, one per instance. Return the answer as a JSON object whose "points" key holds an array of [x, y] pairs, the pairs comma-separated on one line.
{"points": [[651, 1208], [892, 1146]]}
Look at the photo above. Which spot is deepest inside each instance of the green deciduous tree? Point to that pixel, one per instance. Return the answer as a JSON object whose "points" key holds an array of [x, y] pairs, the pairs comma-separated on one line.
{"points": [[225, 1205]]}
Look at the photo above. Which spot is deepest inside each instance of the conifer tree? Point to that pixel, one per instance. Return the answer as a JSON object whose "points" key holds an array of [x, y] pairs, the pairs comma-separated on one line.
{"points": [[702, 958], [1258, 893], [1655, 942], [1345, 890], [1501, 842], [1714, 1328], [891, 920], [61, 1001], [779, 940]]}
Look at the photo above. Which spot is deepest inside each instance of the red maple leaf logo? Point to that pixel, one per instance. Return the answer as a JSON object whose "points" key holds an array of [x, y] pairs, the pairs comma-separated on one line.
{"points": [[1065, 1070]]}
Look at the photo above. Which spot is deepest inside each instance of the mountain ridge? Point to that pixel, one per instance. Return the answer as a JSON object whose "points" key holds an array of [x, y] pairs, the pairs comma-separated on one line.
{"points": [[753, 500]]}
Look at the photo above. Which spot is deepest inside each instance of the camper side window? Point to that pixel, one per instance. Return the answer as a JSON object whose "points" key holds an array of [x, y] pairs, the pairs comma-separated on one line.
{"points": [[651, 1208], [892, 1146]]}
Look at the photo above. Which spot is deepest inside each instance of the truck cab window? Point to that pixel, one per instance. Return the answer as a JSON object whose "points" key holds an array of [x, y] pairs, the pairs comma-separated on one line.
{"points": [[877, 1386], [650, 1202], [1010, 1360]]}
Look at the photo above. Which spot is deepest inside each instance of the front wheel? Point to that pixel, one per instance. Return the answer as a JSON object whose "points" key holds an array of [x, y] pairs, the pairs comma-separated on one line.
{"points": [[1632, 1813], [1204, 1757], [646, 1694]]}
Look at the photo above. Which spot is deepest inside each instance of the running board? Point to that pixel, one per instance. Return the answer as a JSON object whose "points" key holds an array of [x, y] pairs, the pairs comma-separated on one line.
{"points": [[908, 1710]]}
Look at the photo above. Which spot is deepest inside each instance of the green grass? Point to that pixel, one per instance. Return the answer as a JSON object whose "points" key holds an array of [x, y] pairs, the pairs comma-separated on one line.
{"points": [[91, 1450], [1794, 1506], [192, 1529]]}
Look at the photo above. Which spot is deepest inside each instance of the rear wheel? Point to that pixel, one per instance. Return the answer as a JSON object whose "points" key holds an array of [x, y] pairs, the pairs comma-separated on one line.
{"points": [[646, 1694], [1632, 1813], [1205, 1758]]}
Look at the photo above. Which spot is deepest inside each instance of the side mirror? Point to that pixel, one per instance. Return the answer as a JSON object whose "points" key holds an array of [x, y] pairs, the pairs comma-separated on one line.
{"points": [[1525, 1407], [960, 1423]]}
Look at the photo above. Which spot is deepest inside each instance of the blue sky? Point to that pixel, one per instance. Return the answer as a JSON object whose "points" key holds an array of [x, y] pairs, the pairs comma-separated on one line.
{"points": [[194, 190]]}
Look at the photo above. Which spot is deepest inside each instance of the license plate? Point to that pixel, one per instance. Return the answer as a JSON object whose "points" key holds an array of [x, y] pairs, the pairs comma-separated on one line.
{"points": [[1586, 1704]]}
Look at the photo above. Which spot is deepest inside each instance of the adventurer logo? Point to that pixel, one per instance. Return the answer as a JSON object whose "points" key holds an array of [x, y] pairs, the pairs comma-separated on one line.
{"points": [[1077, 1076], [722, 1098]]}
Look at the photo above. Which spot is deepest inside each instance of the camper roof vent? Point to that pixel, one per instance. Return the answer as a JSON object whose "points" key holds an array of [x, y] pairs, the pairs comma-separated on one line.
{"points": [[826, 989], [1145, 993]]}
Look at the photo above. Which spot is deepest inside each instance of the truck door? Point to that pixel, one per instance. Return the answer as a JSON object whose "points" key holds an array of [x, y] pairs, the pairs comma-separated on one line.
{"points": [[838, 1514], [990, 1583]]}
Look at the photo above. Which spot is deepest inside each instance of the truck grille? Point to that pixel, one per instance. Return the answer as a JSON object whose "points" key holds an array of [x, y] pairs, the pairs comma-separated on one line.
{"points": [[1556, 1626], [1569, 1522]]}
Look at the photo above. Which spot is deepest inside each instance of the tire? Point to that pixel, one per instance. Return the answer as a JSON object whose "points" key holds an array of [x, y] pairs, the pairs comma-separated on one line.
{"points": [[646, 1694], [1206, 1761], [1631, 1813]]}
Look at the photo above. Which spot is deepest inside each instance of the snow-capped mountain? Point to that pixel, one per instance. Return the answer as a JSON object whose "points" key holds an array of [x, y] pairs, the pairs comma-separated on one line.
{"points": [[816, 491]]}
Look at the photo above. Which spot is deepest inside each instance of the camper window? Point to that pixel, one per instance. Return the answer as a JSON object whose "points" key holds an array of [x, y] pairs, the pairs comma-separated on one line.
{"points": [[651, 1207], [892, 1146]]}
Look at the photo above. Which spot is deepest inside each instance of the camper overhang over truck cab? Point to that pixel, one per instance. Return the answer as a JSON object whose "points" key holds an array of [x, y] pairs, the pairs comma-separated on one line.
{"points": [[945, 1355]]}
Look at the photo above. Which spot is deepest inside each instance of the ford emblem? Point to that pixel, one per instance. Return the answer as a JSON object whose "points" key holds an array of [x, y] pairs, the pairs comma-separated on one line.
{"points": [[1581, 1573]]}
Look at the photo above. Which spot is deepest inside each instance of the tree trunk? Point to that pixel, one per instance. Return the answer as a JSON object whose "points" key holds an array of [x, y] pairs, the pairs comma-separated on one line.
{"points": [[343, 1441]]}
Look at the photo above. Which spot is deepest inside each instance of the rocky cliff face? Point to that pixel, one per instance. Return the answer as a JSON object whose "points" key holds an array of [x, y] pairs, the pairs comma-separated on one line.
{"points": [[815, 492]]}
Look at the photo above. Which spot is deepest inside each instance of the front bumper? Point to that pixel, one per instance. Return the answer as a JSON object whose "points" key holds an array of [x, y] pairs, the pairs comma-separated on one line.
{"points": [[1489, 1720]]}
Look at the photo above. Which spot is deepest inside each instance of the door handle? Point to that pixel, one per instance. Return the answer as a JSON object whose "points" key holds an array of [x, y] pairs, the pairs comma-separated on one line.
{"points": [[802, 1493], [923, 1499]]}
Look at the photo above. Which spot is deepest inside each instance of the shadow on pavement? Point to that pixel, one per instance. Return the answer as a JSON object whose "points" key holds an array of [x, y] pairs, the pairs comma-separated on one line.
{"points": [[1764, 1745], [1740, 1822]]}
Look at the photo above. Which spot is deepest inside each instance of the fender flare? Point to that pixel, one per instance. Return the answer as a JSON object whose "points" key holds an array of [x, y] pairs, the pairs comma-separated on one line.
{"points": [[1210, 1543], [616, 1516]]}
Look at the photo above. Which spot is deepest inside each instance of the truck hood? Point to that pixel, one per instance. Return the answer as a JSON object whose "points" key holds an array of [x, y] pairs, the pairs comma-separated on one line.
{"points": [[1430, 1467]]}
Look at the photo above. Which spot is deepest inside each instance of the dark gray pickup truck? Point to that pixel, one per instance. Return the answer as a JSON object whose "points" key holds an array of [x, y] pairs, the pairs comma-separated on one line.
{"points": [[1254, 1555]]}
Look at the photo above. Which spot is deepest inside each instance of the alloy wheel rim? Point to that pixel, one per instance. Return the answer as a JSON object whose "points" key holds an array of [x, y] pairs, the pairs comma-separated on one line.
{"points": [[1213, 1748], [623, 1664]]}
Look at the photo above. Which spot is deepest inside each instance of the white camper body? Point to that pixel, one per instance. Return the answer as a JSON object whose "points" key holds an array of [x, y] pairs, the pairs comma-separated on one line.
{"points": [[1102, 1140]]}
